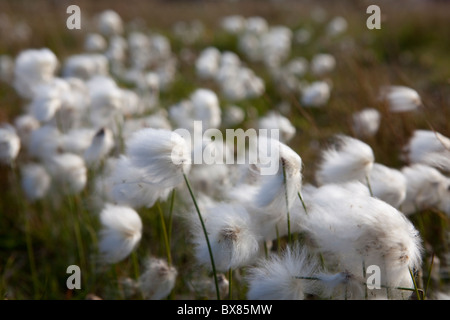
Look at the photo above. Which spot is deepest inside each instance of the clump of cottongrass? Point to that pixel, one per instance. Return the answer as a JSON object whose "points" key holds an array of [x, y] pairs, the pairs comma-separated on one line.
{"points": [[44, 142], [353, 230], [388, 184], [426, 188], [10, 144], [322, 64], [120, 234], [157, 280], [365, 123], [234, 242], [346, 160], [430, 148], [280, 276], [35, 181], [400, 98]]}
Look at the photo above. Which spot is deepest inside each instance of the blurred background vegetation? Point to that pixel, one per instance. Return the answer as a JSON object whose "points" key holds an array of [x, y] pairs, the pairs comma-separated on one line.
{"points": [[410, 49]]}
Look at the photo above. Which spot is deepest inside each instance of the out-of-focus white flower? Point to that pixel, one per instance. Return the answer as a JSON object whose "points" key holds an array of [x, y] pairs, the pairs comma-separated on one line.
{"points": [[233, 115], [279, 276], [35, 181], [275, 121], [233, 24], [68, 171], [400, 98], [120, 234], [234, 243], [77, 140], [163, 154], [337, 26], [256, 25], [316, 94], [85, 66], [10, 144], [346, 160], [102, 144], [110, 23], [95, 42], [365, 123], [25, 124], [426, 188], [322, 64], [430, 148], [388, 184], [158, 279], [207, 64], [206, 108], [44, 142], [33, 67]]}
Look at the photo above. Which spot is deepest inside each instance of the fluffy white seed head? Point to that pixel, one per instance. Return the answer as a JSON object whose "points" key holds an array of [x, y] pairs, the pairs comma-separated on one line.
{"points": [[10, 144], [365, 123], [120, 234], [388, 184], [426, 188], [316, 94], [430, 148], [69, 171], [401, 98], [322, 64], [110, 23], [277, 278], [157, 280], [164, 155], [275, 121], [35, 181], [233, 241], [101, 145], [348, 159]]}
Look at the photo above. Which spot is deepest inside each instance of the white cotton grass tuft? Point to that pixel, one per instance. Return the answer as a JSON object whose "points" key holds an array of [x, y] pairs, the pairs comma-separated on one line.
{"points": [[400, 98], [68, 171], [279, 276], [388, 184], [35, 181], [340, 285], [426, 188], [429, 147], [10, 144], [346, 160], [315, 94], [128, 185], [322, 64], [352, 230], [33, 67], [157, 280], [365, 123], [44, 142], [120, 233], [164, 154], [101, 145], [275, 121], [234, 243], [110, 23]]}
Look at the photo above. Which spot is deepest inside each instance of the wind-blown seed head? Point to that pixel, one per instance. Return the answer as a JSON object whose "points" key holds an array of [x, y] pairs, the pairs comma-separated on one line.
{"points": [[164, 155], [278, 277], [102, 143], [365, 123], [128, 186], [120, 234], [348, 159], [388, 184], [352, 230], [234, 243], [158, 279], [426, 188], [430, 148], [69, 171], [400, 98], [35, 181], [10, 144]]}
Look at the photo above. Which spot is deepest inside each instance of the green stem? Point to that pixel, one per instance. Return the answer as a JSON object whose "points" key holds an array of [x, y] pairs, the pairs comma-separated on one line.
{"points": [[287, 205], [303, 202], [369, 185], [166, 238], [429, 275], [30, 251], [415, 284], [213, 266]]}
